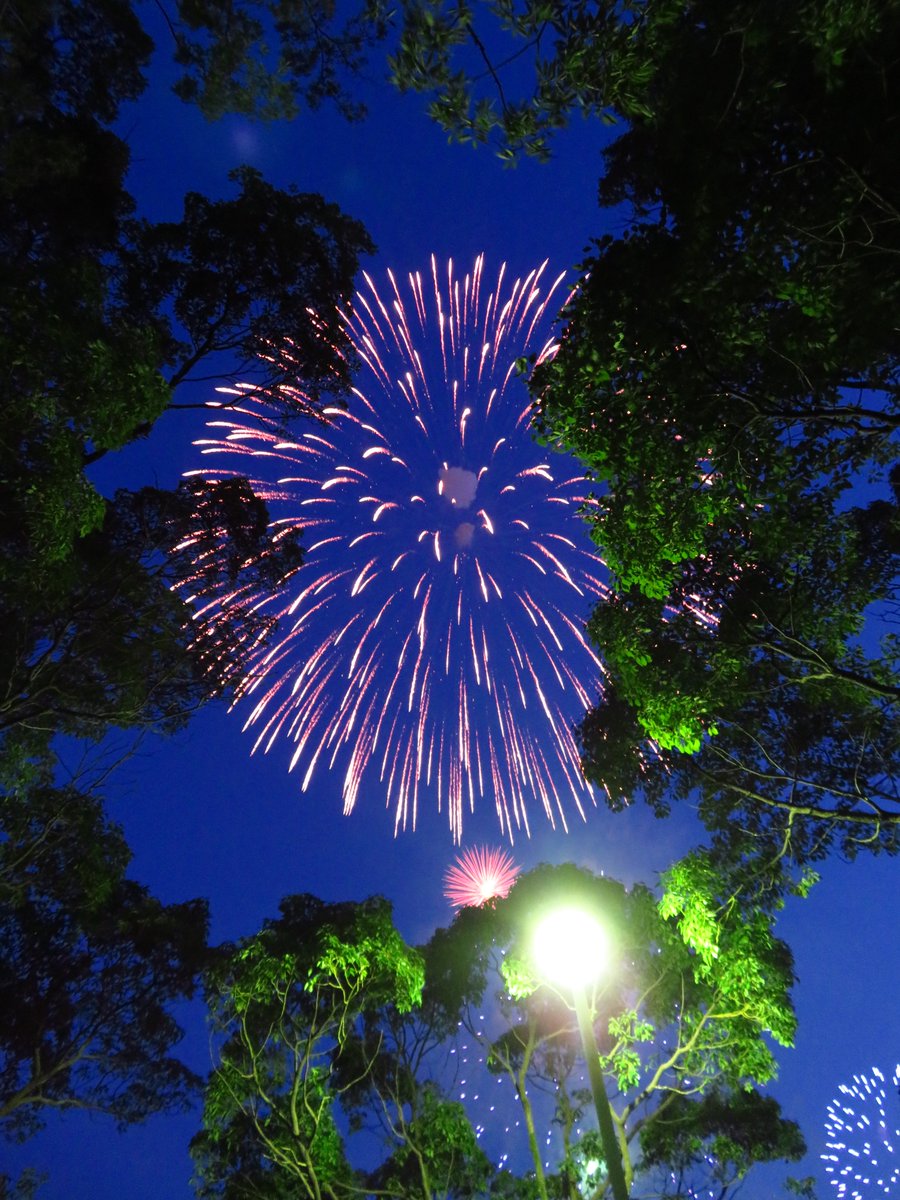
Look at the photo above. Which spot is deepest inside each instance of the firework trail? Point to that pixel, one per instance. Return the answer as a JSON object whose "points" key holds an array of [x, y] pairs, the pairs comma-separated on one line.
{"points": [[479, 875], [434, 640], [863, 1127]]}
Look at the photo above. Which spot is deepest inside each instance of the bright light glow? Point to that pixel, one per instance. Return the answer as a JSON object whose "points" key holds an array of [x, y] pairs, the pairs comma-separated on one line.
{"points": [[570, 948]]}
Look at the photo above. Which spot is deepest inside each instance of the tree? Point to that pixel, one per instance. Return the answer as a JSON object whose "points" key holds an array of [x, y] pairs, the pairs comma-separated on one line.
{"points": [[228, 65], [769, 708], [245, 278], [694, 987], [90, 962], [728, 374], [731, 1132], [284, 1004], [743, 359], [511, 75], [103, 644], [682, 1021], [103, 316], [392, 1078], [25, 1187]]}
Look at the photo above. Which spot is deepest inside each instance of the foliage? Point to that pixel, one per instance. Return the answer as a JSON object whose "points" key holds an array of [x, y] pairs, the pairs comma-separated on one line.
{"points": [[102, 316], [731, 1131], [25, 1187], [736, 343], [728, 373], [394, 1086], [511, 74], [101, 643], [775, 716], [241, 276], [286, 1002], [683, 1023], [90, 962], [435, 1147], [229, 67], [697, 983]]}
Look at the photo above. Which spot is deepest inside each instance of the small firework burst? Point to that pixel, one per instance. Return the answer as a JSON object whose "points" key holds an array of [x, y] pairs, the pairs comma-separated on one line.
{"points": [[864, 1138], [479, 875]]}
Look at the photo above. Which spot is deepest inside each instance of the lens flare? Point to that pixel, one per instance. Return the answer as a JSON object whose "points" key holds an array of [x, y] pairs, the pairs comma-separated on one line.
{"points": [[479, 875], [434, 640], [863, 1127]]}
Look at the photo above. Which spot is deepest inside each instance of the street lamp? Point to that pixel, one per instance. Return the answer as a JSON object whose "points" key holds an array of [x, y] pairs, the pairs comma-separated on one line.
{"points": [[570, 948]]}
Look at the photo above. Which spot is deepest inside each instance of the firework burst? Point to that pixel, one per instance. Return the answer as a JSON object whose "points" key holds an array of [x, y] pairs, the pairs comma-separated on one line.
{"points": [[479, 875], [863, 1127], [434, 638]]}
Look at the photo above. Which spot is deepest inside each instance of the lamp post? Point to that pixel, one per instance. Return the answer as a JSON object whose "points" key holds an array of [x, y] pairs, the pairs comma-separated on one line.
{"points": [[569, 949]]}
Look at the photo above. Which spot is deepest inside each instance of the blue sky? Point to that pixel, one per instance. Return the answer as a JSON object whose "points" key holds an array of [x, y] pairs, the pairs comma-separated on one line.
{"points": [[204, 818]]}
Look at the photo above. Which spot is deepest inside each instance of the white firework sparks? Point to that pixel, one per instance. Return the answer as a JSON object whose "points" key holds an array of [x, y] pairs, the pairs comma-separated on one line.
{"points": [[863, 1127]]}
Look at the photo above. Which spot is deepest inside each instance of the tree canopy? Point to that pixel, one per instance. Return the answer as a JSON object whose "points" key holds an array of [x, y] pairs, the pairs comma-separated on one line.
{"points": [[90, 962], [737, 342], [104, 316], [230, 66], [510, 75], [322, 1038], [283, 1005], [728, 374]]}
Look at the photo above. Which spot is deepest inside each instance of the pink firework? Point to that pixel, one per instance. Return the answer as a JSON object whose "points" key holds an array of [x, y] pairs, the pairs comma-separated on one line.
{"points": [[433, 644], [479, 875]]}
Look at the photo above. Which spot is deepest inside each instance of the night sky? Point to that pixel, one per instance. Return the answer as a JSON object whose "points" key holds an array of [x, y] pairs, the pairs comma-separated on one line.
{"points": [[204, 818]]}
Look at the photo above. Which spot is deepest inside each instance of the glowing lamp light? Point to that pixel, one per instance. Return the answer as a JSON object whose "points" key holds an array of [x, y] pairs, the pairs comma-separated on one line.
{"points": [[570, 948]]}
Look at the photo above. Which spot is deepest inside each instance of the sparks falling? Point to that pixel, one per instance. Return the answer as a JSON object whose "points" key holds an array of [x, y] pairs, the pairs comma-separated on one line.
{"points": [[433, 644], [862, 1153]]}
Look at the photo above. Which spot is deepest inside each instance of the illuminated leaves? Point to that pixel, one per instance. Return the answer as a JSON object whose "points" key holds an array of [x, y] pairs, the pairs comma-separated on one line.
{"points": [[728, 377], [709, 978], [690, 896], [315, 1019], [285, 1005], [377, 965]]}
